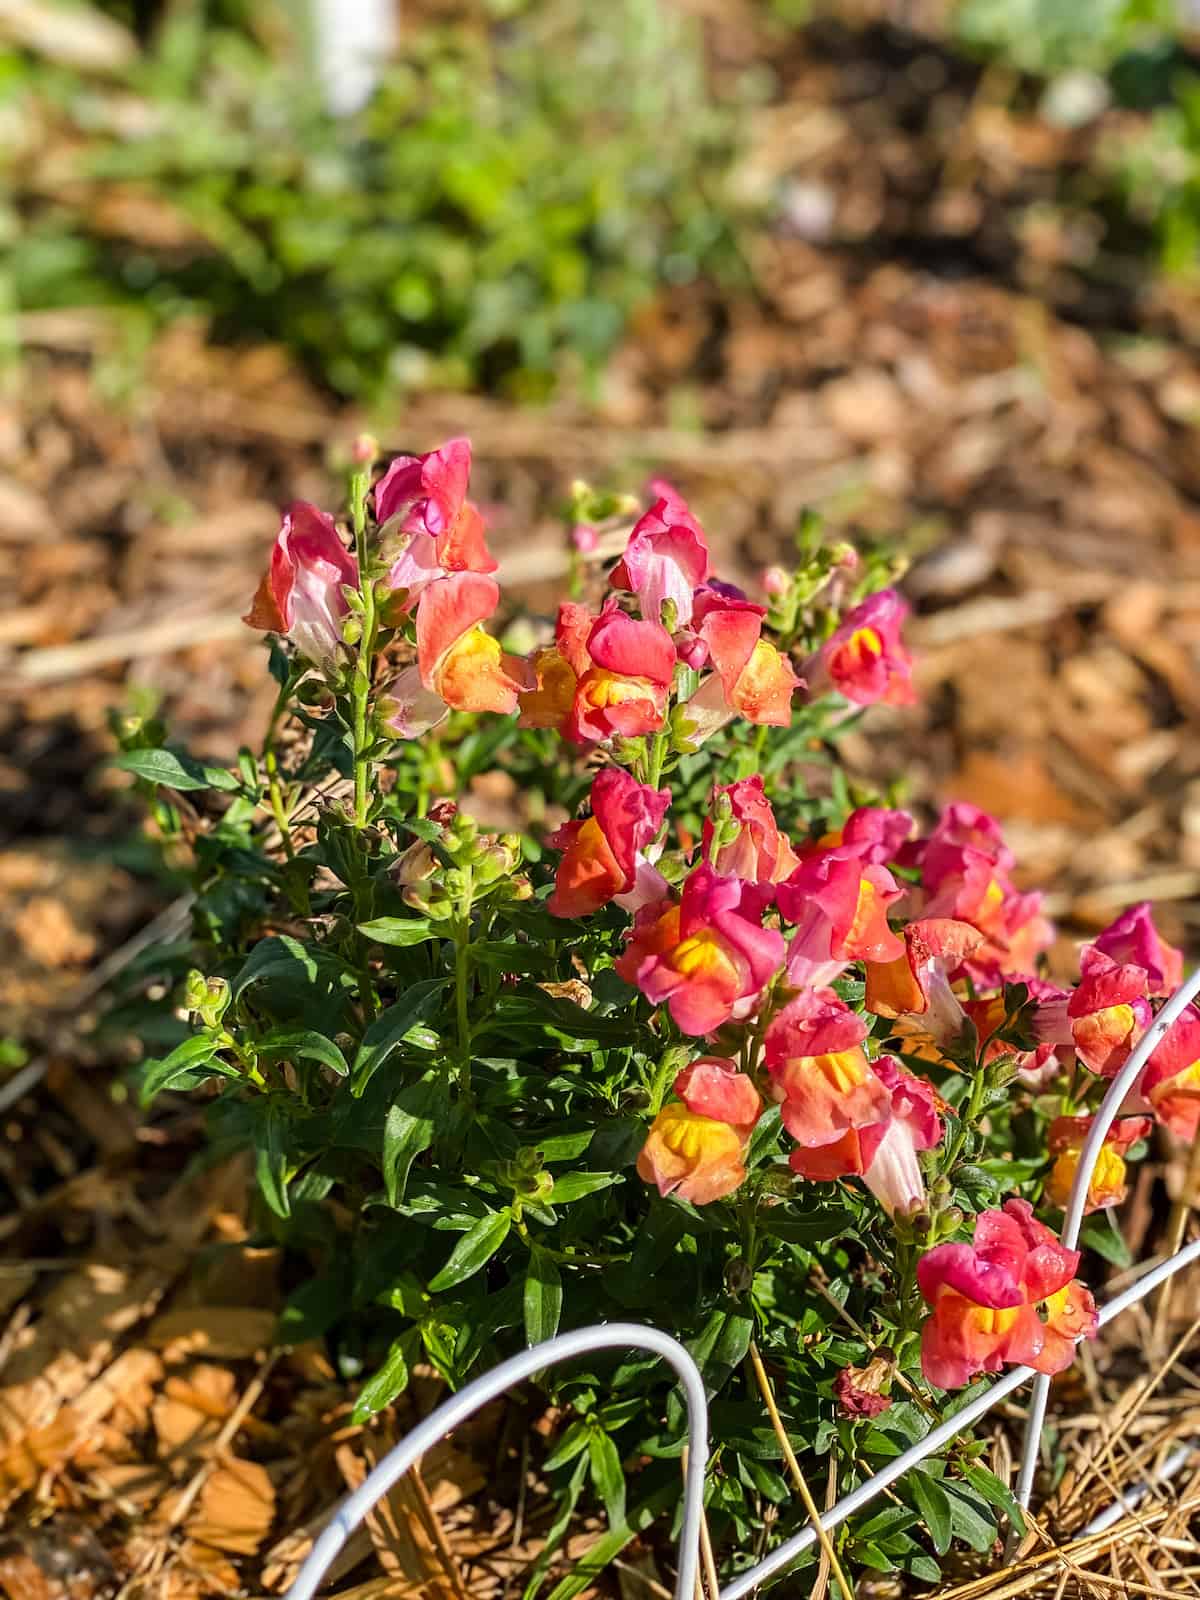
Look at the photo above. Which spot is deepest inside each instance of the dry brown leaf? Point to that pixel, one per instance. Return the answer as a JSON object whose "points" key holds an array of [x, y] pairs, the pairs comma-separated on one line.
{"points": [[234, 1508], [190, 1410]]}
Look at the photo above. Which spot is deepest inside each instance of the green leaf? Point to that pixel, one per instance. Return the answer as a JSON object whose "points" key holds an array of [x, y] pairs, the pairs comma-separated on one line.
{"points": [[605, 1464], [284, 957], [543, 1296], [271, 1160], [533, 1007], [968, 1519], [996, 1493], [195, 1052], [311, 1045], [175, 769], [476, 1247], [391, 1379], [407, 1131], [398, 931], [575, 1438], [1103, 1235], [607, 1548], [417, 1004], [575, 1185], [932, 1501]]}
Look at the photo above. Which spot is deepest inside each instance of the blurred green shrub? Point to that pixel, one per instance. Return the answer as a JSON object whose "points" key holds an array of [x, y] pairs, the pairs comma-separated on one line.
{"points": [[517, 185], [1046, 37]]}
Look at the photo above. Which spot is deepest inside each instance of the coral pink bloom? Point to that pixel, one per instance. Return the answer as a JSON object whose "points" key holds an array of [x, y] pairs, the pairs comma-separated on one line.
{"points": [[865, 659], [604, 677], [1134, 939], [708, 957], [1171, 1081], [962, 826], [839, 904], [883, 1153], [692, 1156], [1106, 1187], [917, 983], [557, 669], [715, 1088], [759, 852], [750, 677], [813, 1052], [443, 530], [456, 659], [624, 691], [301, 595], [1108, 1012], [968, 884], [666, 559], [602, 856], [876, 834], [985, 1300]]}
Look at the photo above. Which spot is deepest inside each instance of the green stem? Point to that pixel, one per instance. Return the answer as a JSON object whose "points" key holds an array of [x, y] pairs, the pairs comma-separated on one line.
{"points": [[656, 754], [364, 663], [967, 1120], [462, 973], [277, 810]]}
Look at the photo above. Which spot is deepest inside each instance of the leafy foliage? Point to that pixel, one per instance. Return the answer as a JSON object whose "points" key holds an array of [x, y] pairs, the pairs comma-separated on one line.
{"points": [[493, 208]]}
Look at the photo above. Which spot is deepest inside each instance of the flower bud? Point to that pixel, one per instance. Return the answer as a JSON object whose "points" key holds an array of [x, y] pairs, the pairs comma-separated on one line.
{"points": [[585, 538], [775, 581], [352, 630], [364, 450], [208, 998]]}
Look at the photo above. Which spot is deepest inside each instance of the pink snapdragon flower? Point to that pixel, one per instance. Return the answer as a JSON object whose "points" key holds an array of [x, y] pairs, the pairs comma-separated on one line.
{"points": [[714, 1087], [603, 856], [442, 531], [839, 904], [865, 659], [1132, 938], [666, 559], [759, 852], [985, 1298], [1171, 1081], [604, 677], [1108, 1012], [916, 984], [707, 957], [750, 677], [301, 595], [883, 1153], [813, 1050]]}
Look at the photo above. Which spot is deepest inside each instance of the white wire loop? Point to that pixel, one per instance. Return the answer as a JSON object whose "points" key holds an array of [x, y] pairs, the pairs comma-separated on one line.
{"points": [[630, 1335], [610, 1336]]}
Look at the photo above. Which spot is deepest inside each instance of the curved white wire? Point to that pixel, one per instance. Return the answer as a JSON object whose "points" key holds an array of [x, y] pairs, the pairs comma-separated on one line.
{"points": [[1089, 1155], [613, 1335]]}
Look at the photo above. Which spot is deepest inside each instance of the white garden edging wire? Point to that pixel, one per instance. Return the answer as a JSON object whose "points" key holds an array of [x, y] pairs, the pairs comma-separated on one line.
{"points": [[1089, 1155], [628, 1335], [613, 1336]]}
